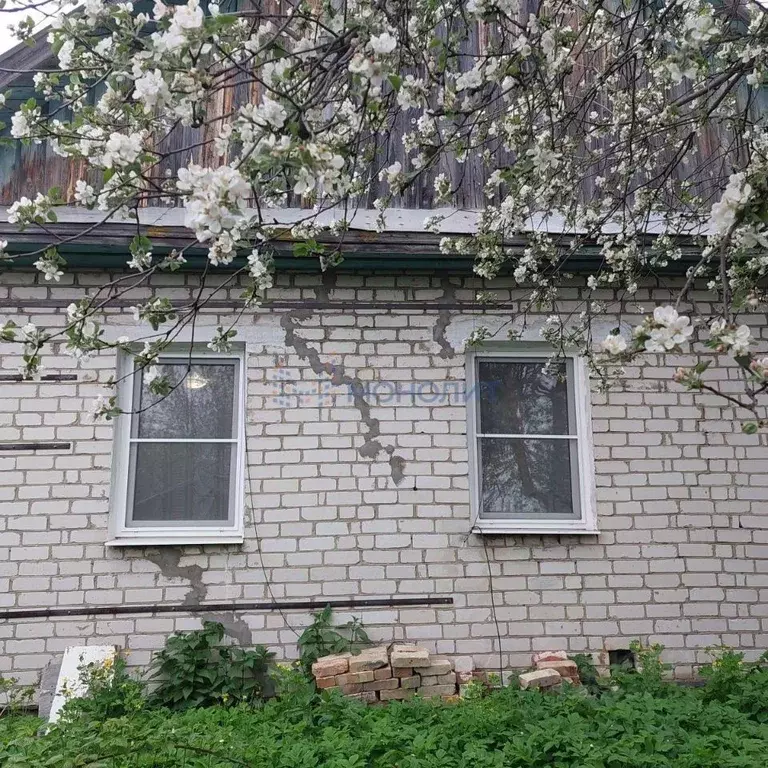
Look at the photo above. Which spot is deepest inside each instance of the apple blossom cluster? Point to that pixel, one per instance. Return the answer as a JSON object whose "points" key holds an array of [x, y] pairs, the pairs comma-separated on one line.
{"points": [[664, 331], [83, 332], [25, 212], [582, 122], [214, 210], [49, 264], [614, 344], [730, 338], [32, 339]]}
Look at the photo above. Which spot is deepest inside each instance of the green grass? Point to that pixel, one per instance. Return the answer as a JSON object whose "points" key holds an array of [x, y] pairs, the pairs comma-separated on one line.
{"points": [[629, 728]]}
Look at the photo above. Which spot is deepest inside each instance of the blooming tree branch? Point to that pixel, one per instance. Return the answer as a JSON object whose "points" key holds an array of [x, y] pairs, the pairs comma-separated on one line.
{"points": [[587, 115]]}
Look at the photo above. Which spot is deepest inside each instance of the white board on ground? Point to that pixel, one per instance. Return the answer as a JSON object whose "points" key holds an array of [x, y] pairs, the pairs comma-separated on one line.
{"points": [[76, 657]]}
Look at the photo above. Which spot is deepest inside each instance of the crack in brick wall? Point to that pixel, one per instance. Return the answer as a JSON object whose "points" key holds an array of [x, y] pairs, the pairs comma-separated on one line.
{"points": [[372, 447], [168, 561], [447, 352]]}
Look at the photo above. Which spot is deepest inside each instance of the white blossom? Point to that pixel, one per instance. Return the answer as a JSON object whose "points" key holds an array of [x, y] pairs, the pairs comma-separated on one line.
{"points": [[614, 344], [392, 173], [189, 16], [140, 260], [730, 338], [666, 331], [29, 331], [258, 268], [84, 193], [25, 211], [471, 79], [151, 373], [759, 367], [700, 28], [21, 127], [305, 182], [411, 93], [186, 20], [65, 54], [270, 112], [151, 89], [384, 43], [121, 150], [49, 268], [94, 10], [160, 10], [214, 203], [724, 211]]}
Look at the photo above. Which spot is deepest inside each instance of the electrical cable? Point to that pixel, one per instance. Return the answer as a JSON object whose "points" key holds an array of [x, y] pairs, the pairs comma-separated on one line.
{"points": [[258, 543], [493, 607]]}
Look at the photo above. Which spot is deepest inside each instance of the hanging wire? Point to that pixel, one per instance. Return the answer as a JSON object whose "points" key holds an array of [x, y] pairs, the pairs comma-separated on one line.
{"points": [[493, 607], [257, 538]]}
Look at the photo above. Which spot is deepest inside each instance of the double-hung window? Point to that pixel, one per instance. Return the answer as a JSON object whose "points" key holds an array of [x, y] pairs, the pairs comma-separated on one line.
{"points": [[530, 442], [178, 463]]}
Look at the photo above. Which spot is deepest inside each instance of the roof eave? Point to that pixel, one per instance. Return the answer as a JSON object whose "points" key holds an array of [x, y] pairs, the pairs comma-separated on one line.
{"points": [[403, 246], [25, 59]]}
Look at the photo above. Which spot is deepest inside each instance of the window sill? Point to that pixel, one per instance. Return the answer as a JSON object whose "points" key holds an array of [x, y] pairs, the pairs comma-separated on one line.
{"points": [[175, 541], [508, 529]]}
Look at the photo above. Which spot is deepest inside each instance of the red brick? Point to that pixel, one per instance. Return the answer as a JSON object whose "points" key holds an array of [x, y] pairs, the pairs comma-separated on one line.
{"points": [[541, 678], [355, 677], [329, 666], [369, 659], [549, 656], [382, 685], [438, 666], [397, 694], [565, 668], [369, 697], [406, 655]]}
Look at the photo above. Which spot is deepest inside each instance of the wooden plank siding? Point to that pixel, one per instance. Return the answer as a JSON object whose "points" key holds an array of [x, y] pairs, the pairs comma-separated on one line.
{"points": [[25, 170]]}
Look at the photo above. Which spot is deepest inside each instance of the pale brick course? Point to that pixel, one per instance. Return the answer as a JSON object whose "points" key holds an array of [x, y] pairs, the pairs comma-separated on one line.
{"points": [[682, 557]]}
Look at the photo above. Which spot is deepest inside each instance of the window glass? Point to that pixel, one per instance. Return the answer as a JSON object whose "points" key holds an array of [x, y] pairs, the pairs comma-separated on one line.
{"points": [[201, 404], [527, 442], [182, 481], [524, 478], [517, 398], [183, 452]]}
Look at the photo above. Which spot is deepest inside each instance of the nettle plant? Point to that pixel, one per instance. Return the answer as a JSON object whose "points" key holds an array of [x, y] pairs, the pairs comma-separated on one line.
{"points": [[586, 115]]}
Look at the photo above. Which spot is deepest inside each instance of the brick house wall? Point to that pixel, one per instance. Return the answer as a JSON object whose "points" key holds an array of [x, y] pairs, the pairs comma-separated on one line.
{"points": [[682, 493]]}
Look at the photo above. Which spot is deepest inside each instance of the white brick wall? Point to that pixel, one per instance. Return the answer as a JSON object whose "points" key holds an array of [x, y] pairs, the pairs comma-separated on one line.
{"points": [[682, 557]]}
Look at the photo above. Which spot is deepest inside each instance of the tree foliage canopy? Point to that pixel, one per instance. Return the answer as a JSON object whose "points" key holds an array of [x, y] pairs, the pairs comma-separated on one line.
{"points": [[587, 116]]}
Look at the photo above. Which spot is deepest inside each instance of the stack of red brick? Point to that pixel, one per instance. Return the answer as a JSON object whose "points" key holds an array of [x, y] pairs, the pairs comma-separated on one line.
{"points": [[389, 673], [552, 667]]}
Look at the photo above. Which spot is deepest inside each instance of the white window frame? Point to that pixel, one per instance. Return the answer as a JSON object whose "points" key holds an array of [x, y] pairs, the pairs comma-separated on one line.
{"points": [[587, 522], [121, 534]]}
